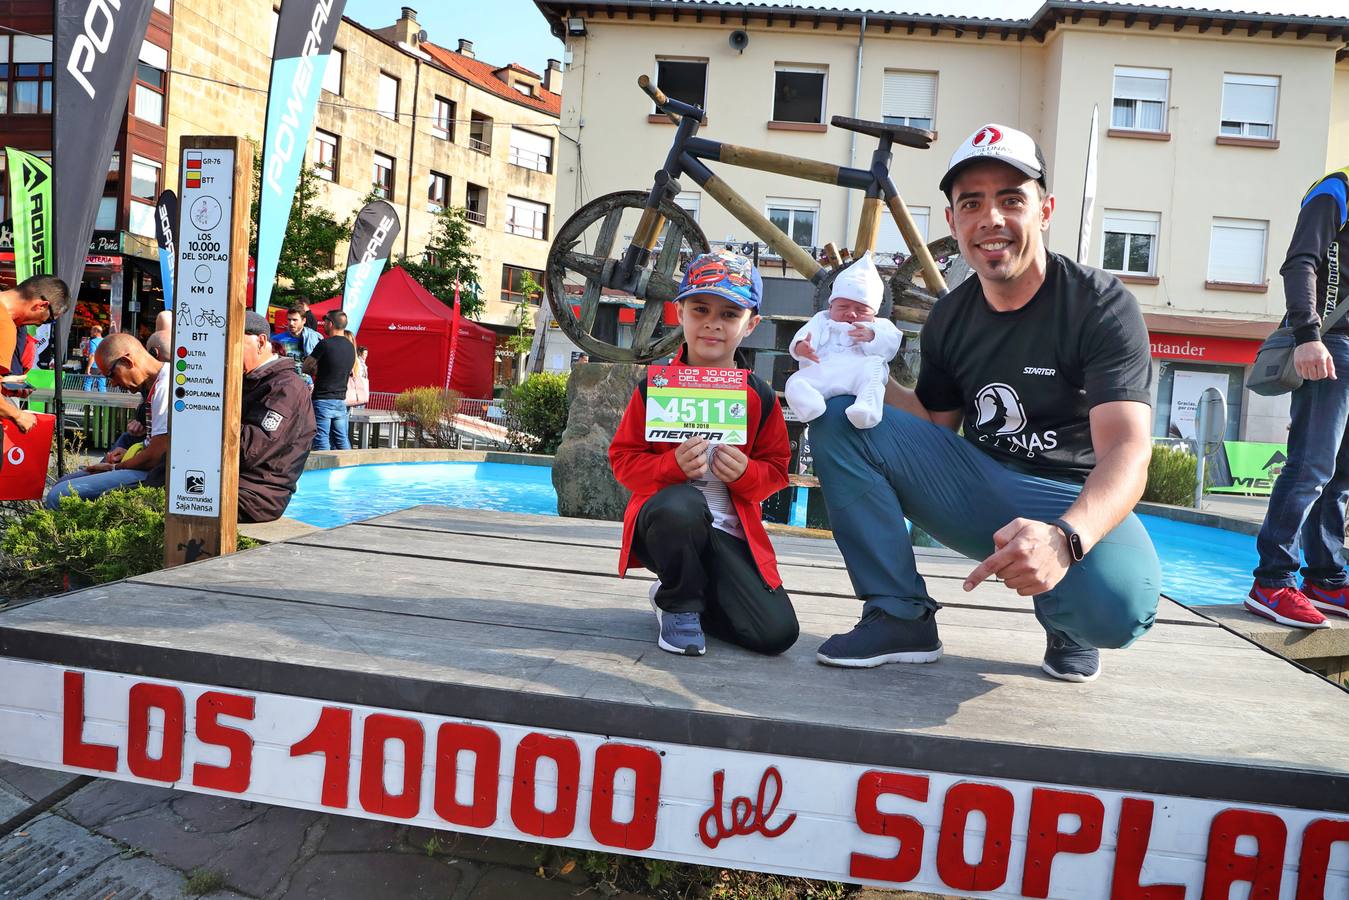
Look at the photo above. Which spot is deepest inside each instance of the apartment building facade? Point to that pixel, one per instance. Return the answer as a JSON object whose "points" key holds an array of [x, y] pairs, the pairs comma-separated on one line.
{"points": [[421, 124], [1212, 125]]}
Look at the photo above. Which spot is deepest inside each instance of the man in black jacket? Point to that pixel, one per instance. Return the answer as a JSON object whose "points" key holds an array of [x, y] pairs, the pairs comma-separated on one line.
{"points": [[277, 427], [1307, 506]]}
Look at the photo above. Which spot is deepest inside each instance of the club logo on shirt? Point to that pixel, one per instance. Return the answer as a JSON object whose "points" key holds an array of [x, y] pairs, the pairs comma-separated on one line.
{"points": [[272, 421], [1000, 411]]}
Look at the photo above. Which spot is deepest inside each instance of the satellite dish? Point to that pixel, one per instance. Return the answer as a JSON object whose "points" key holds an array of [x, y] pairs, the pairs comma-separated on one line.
{"points": [[422, 36], [739, 40]]}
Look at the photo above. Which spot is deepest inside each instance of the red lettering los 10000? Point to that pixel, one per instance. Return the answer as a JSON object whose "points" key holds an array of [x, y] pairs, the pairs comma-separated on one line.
{"points": [[332, 740]]}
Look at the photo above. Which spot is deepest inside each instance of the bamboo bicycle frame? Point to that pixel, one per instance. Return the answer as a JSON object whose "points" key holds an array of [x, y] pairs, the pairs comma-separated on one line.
{"points": [[685, 158]]}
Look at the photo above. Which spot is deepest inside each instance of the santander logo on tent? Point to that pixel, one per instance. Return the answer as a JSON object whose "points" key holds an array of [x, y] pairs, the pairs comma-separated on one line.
{"points": [[394, 326]]}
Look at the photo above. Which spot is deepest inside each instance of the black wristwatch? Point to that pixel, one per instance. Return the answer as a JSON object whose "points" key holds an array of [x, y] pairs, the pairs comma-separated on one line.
{"points": [[1074, 539]]}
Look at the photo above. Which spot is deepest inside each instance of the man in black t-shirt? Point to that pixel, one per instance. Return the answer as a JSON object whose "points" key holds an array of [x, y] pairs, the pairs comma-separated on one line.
{"points": [[335, 357], [1044, 365]]}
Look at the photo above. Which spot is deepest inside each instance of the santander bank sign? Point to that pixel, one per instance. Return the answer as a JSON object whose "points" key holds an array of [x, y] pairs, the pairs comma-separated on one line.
{"points": [[1203, 348]]}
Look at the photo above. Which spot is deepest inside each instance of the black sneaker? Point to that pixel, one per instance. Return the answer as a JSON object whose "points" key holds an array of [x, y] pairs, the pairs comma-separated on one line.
{"points": [[1067, 660], [882, 638]]}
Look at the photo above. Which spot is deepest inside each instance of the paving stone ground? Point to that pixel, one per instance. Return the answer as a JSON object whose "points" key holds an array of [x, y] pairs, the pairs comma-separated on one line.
{"points": [[113, 839]]}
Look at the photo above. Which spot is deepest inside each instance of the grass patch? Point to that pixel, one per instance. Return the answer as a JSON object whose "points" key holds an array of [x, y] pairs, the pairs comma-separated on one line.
{"points": [[203, 881]]}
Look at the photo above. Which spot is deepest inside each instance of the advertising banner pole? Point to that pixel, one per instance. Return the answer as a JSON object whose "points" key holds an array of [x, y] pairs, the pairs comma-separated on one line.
{"points": [[202, 502]]}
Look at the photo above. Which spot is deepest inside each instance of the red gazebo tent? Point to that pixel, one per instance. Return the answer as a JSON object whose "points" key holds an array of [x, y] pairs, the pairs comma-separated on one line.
{"points": [[409, 331]]}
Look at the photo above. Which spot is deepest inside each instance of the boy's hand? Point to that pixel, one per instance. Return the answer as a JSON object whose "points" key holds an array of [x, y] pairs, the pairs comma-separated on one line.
{"points": [[692, 457], [803, 349], [115, 455], [861, 333], [728, 463]]}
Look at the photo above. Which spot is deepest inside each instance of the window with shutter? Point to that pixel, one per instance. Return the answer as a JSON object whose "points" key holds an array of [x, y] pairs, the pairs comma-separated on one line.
{"points": [[1140, 98], [531, 151], [1237, 251], [910, 98], [1129, 246], [889, 242], [1250, 105]]}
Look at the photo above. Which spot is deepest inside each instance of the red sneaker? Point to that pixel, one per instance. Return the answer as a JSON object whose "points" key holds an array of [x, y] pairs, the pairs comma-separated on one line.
{"points": [[1285, 605], [1332, 600]]}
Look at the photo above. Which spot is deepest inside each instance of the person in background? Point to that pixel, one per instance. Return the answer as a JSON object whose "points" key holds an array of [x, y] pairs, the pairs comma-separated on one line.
{"points": [[131, 368], [309, 321], [298, 340], [363, 357], [335, 362], [42, 298], [1307, 505], [91, 380], [276, 430]]}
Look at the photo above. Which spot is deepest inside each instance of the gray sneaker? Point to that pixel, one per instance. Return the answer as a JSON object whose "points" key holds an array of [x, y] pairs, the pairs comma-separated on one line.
{"points": [[1067, 660], [680, 633]]}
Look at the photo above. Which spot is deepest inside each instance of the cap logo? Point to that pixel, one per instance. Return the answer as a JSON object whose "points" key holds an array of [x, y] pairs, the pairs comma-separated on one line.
{"points": [[987, 137]]}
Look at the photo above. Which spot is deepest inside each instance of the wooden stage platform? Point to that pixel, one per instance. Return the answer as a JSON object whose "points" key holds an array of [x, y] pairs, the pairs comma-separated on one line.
{"points": [[489, 672]]}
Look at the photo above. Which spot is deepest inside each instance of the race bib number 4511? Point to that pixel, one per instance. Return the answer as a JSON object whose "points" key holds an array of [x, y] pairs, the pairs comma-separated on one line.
{"points": [[683, 402]]}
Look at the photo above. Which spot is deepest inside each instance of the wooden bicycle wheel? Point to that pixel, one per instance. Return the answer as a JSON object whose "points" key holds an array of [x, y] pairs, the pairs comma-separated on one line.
{"points": [[912, 298], [583, 256]]}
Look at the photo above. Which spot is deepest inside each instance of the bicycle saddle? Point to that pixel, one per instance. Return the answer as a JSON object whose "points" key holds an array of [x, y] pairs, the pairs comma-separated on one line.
{"points": [[899, 134]]}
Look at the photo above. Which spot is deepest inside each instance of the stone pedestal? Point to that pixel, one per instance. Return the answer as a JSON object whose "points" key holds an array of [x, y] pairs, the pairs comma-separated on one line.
{"points": [[597, 395]]}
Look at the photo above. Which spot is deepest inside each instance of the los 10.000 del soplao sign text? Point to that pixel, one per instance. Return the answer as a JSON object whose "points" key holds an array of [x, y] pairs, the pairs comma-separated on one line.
{"points": [[200, 310], [815, 818]]}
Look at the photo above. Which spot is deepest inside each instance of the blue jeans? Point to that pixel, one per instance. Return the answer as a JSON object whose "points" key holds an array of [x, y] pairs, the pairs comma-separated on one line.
{"points": [[906, 466], [88, 486], [331, 420], [1306, 507]]}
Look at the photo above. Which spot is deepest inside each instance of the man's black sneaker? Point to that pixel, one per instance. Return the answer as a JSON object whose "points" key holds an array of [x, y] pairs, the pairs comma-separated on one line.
{"points": [[1067, 660], [882, 638]]}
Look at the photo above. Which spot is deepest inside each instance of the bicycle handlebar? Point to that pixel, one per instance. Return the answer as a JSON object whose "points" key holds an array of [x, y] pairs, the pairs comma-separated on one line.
{"points": [[652, 91]]}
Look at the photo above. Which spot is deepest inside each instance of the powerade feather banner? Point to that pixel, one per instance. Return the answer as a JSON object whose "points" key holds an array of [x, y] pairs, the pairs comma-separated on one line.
{"points": [[97, 45], [30, 186], [305, 32], [372, 240], [166, 229]]}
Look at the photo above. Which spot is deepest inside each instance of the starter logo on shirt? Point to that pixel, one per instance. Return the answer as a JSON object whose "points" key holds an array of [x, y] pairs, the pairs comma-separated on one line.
{"points": [[1000, 411]]}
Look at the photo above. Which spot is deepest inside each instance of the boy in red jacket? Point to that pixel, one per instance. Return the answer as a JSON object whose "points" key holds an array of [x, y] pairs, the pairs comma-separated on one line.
{"points": [[694, 515]]}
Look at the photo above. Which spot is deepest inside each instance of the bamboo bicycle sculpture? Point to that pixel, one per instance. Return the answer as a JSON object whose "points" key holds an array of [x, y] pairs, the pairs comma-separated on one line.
{"points": [[666, 234]]}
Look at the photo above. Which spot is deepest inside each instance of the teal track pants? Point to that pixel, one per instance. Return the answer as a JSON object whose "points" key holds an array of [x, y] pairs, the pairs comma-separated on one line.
{"points": [[908, 467]]}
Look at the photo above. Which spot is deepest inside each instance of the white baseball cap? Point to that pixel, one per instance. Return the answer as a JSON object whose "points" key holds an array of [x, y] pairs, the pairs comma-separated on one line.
{"points": [[997, 142]]}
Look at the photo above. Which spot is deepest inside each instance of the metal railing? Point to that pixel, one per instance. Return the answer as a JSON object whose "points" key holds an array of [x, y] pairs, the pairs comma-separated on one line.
{"points": [[477, 218], [479, 425]]}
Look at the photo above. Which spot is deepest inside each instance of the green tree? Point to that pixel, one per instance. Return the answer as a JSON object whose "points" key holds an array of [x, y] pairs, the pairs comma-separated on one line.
{"points": [[530, 293], [310, 245], [448, 258]]}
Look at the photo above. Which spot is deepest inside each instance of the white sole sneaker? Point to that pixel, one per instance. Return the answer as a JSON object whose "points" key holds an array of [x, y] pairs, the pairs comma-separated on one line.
{"points": [[660, 641], [1261, 610], [1074, 677], [871, 662], [1329, 608]]}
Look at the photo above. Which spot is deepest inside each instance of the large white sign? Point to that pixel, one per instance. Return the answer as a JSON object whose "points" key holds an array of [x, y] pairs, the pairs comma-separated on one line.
{"points": [[976, 836], [1186, 389], [201, 302]]}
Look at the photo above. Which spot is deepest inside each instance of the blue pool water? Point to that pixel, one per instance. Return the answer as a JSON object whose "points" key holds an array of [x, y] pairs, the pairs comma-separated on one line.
{"points": [[1200, 566], [329, 497]]}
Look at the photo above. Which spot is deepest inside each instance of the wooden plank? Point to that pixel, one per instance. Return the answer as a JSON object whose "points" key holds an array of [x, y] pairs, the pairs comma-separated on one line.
{"points": [[472, 592], [571, 559], [1169, 704]]}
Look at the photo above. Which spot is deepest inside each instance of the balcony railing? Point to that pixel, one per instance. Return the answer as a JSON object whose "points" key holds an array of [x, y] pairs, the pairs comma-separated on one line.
{"points": [[477, 218], [482, 146]]}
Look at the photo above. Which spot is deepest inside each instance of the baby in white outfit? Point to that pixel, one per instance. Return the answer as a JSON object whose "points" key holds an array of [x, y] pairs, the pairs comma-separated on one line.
{"points": [[845, 349]]}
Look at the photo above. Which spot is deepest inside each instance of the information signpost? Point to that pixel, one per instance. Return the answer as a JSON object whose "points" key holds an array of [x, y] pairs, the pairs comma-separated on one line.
{"points": [[208, 317]]}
